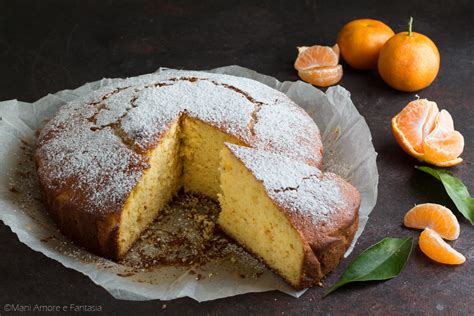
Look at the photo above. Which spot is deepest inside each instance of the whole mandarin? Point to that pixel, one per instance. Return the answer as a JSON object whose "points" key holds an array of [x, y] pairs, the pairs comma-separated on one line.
{"points": [[409, 61], [360, 42]]}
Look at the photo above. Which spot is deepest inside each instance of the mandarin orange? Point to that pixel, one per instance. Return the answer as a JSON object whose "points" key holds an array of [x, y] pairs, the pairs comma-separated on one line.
{"points": [[360, 42], [408, 61]]}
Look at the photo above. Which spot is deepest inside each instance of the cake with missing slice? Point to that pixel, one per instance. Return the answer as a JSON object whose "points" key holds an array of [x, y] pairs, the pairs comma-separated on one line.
{"points": [[109, 162]]}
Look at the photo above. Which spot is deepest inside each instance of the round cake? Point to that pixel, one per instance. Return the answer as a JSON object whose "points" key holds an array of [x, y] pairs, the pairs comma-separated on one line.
{"points": [[110, 161]]}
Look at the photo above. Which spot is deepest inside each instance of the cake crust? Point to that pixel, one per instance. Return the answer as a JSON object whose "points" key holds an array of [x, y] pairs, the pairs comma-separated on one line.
{"points": [[326, 245]]}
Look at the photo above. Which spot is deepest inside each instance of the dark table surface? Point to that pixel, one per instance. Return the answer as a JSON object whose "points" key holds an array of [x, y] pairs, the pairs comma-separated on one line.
{"points": [[47, 46]]}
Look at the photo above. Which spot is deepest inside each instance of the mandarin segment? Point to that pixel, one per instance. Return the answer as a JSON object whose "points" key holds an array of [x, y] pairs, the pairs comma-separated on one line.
{"points": [[318, 65], [444, 119], [337, 51], [322, 76], [316, 56], [443, 145], [433, 216], [433, 246]]}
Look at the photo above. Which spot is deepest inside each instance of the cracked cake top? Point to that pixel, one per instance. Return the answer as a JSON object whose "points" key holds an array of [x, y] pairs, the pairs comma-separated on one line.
{"points": [[97, 144]]}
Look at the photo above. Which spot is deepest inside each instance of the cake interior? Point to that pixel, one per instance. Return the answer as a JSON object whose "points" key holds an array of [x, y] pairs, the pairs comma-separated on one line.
{"points": [[187, 157], [155, 189], [201, 145], [249, 216]]}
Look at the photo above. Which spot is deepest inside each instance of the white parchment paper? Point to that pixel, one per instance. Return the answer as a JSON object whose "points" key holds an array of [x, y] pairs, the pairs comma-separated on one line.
{"points": [[349, 152]]}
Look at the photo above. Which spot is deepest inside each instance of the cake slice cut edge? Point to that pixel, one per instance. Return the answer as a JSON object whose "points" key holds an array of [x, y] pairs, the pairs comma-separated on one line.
{"points": [[296, 219], [157, 186]]}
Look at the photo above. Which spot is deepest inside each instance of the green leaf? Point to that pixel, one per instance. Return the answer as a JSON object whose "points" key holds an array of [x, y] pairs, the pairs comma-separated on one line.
{"points": [[456, 190], [381, 261]]}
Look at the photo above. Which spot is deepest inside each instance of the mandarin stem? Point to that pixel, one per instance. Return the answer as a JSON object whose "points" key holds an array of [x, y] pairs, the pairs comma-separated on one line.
{"points": [[410, 23]]}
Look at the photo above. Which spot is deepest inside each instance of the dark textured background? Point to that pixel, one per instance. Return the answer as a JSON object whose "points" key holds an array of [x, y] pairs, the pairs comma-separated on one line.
{"points": [[47, 46]]}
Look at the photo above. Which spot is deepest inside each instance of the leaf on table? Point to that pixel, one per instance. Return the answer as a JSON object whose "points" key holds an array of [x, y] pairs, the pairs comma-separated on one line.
{"points": [[456, 190], [381, 261]]}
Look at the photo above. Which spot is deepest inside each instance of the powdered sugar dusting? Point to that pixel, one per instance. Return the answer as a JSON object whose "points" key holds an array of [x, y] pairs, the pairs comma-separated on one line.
{"points": [[114, 107], [317, 196], [300, 188], [203, 99], [291, 132], [93, 173], [258, 91], [95, 144], [151, 116]]}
